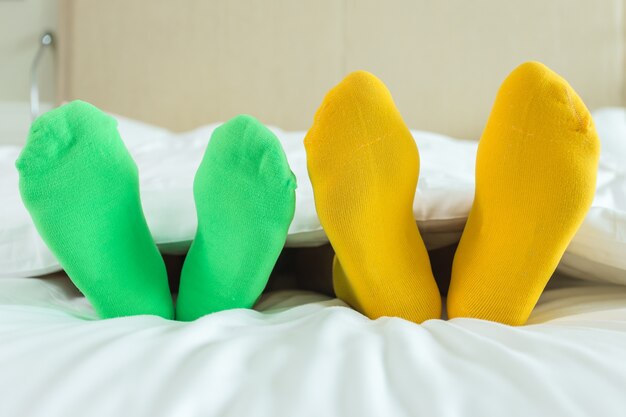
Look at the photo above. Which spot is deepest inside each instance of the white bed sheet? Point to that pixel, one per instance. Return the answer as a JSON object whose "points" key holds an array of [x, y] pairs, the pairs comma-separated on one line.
{"points": [[302, 354]]}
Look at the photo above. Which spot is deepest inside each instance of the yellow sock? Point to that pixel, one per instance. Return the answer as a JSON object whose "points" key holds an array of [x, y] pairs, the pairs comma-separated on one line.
{"points": [[535, 180], [363, 164]]}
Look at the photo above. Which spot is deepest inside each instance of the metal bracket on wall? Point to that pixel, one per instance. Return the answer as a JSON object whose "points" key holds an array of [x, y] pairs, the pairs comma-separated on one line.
{"points": [[46, 40]]}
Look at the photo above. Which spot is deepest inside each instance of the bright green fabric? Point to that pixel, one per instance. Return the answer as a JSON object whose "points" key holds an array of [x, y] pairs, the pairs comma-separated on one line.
{"points": [[81, 187], [245, 199]]}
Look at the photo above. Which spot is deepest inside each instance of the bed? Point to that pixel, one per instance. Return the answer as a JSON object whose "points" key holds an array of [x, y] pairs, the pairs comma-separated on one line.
{"points": [[170, 71]]}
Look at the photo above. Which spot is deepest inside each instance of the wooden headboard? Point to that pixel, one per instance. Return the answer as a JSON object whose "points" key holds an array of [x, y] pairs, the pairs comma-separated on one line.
{"points": [[180, 64]]}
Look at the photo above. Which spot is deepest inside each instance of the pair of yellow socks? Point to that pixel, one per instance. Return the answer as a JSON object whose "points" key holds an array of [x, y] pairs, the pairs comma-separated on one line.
{"points": [[535, 180]]}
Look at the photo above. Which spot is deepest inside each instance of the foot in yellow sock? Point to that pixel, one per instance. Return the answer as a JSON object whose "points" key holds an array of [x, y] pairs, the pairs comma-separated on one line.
{"points": [[535, 180], [363, 164]]}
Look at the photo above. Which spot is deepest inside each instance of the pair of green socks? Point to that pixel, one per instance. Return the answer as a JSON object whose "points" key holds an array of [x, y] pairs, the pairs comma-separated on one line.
{"points": [[81, 187]]}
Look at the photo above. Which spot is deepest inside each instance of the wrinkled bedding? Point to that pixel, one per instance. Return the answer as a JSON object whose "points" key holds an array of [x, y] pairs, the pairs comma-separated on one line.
{"points": [[305, 354]]}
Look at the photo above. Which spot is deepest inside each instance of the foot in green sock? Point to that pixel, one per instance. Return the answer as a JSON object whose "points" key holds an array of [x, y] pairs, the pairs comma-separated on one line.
{"points": [[81, 187], [245, 199]]}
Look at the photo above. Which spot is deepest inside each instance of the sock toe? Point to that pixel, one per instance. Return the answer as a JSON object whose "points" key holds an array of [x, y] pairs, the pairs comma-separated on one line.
{"points": [[537, 91], [243, 143], [362, 86], [53, 134], [359, 87]]}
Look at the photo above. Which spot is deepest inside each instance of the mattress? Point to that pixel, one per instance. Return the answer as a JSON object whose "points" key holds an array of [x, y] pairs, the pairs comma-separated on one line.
{"points": [[304, 354]]}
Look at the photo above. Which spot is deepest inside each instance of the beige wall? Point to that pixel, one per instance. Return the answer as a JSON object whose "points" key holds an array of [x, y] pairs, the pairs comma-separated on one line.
{"points": [[184, 64], [21, 24], [442, 60]]}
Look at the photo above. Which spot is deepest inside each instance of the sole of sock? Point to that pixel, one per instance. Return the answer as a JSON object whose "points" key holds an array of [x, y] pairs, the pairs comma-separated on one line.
{"points": [[245, 200], [535, 180], [363, 164], [81, 188]]}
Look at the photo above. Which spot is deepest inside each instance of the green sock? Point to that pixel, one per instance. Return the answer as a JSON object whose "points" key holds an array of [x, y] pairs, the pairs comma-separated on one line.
{"points": [[245, 199], [81, 187]]}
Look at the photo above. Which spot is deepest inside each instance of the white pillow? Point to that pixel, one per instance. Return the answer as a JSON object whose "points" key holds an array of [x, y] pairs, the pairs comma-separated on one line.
{"points": [[598, 251], [167, 163]]}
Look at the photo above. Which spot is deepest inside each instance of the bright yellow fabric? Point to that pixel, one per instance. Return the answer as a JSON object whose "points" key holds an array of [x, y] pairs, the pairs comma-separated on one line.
{"points": [[363, 164], [535, 180]]}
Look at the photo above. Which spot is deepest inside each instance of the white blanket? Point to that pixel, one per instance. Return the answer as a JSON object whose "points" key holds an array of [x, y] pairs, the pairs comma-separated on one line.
{"points": [[302, 354]]}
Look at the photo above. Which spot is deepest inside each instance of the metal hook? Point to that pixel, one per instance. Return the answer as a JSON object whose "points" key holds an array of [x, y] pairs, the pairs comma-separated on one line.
{"points": [[46, 40]]}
